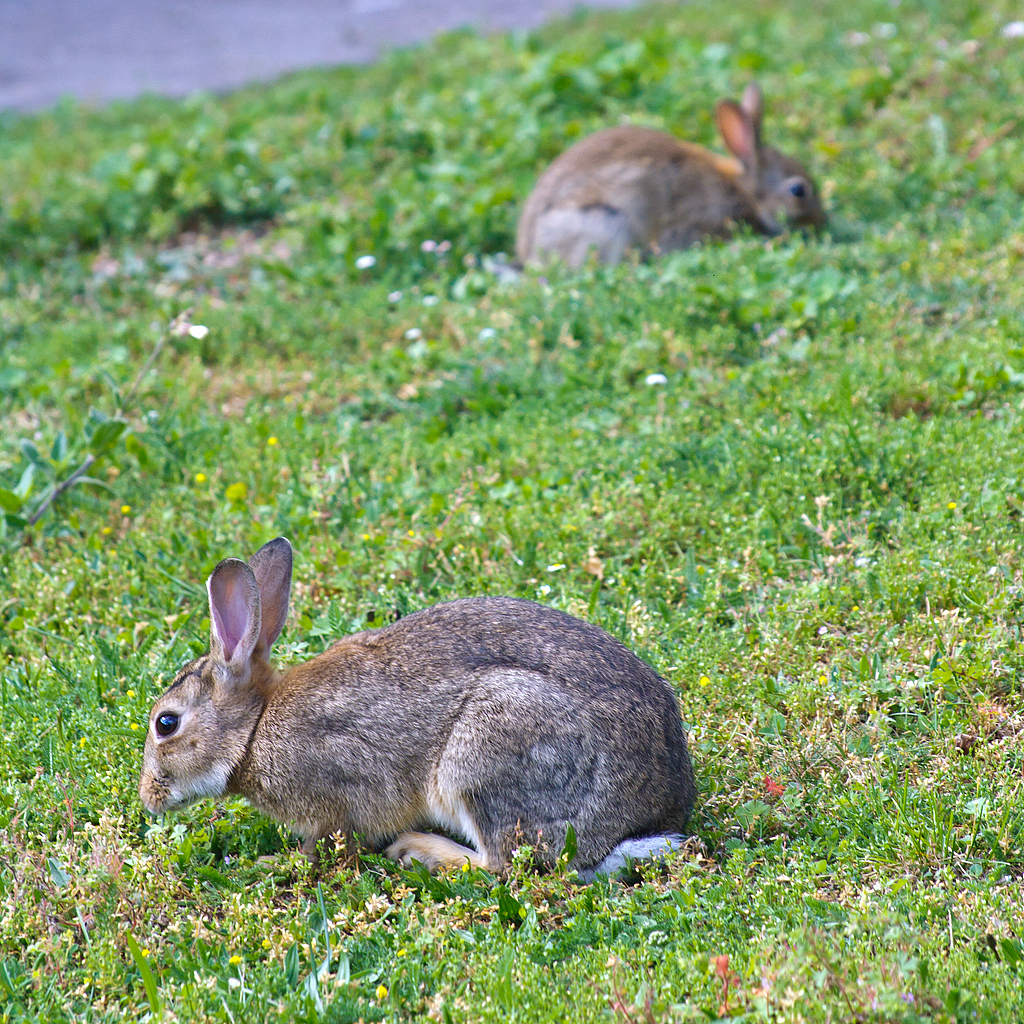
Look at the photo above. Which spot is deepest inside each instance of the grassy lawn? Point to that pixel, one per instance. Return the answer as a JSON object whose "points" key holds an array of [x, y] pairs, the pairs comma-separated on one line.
{"points": [[811, 527]]}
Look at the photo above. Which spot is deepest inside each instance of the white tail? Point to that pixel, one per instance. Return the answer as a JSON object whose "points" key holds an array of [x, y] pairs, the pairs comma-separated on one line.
{"points": [[647, 848]]}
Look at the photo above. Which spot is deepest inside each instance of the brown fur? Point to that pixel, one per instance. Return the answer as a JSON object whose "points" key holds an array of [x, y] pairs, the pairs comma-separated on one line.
{"points": [[489, 718], [636, 188]]}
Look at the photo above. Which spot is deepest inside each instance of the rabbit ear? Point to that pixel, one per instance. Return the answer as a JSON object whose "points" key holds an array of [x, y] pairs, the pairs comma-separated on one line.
{"points": [[234, 614], [738, 132], [272, 567], [753, 106]]}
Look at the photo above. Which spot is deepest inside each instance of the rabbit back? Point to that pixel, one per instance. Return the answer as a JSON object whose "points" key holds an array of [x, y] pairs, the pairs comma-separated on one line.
{"points": [[526, 760]]}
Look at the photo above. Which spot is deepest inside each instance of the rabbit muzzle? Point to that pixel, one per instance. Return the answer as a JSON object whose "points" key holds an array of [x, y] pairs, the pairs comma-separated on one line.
{"points": [[768, 225], [156, 793], [160, 792]]}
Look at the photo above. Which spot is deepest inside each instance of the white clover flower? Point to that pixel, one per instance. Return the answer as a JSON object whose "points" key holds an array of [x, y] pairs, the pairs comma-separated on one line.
{"points": [[655, 378], [1013, 30], [430, 300], [199, 331], [394, 297], [365, 262], [428, 246], [487, 333], [413, 333]]}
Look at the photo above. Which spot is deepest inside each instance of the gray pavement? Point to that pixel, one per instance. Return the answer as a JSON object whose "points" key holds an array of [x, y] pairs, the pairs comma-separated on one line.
{"points": [[98, 50]]}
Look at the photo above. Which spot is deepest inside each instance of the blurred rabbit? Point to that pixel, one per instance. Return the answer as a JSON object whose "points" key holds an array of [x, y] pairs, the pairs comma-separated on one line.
{"points": [[637, 188], [495, 719]]}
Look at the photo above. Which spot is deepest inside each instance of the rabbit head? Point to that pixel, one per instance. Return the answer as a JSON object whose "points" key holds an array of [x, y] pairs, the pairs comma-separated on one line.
{"points": [[199, 729], [781, 191]]}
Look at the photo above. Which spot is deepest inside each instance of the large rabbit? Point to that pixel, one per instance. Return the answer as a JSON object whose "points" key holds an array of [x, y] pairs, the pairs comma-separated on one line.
{"points": [[636, 188], [495, 719]]}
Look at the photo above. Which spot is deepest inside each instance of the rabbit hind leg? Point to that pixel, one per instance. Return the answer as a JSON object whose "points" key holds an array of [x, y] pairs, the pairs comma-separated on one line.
{"points": [[573, 233], [433, 851]]}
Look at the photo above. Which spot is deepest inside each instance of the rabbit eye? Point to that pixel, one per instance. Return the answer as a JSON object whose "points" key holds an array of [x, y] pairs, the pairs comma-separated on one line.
{"points": [[166, 724], [798, 189]]}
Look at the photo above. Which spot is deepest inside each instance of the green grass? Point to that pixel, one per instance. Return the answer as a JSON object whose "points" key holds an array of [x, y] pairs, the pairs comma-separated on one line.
{"points": [[813, 529]]}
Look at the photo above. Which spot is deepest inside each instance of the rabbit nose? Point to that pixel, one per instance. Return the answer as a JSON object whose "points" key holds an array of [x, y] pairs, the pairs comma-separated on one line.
{"points": [[153, 794]]}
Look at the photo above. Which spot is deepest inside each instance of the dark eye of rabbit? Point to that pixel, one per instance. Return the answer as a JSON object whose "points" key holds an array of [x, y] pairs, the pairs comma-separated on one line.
{"points": [[798, 189], [166, 724]]}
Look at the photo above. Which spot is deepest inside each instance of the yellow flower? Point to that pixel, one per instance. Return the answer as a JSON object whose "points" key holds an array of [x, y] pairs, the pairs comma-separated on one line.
{"points": [[704, 681], [87, 980], [134, 726], [145, 952], [951, 506], [125, 509], [266, 943], [106, 529], [131, 693], [382, 992], [856, 608], [822, 679], [401, 952], [236, 959], [271, 440], [200, 478], [81, 743]]}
